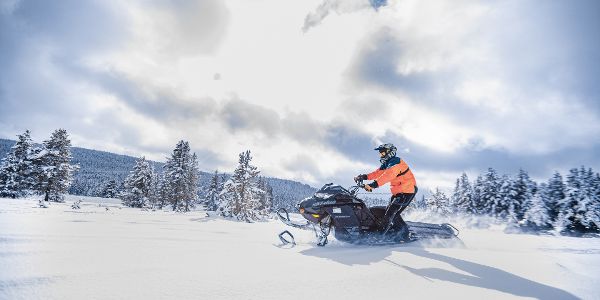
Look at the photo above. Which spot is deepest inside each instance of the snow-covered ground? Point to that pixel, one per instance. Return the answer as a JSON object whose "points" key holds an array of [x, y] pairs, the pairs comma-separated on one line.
{"points": [[95, 253]]}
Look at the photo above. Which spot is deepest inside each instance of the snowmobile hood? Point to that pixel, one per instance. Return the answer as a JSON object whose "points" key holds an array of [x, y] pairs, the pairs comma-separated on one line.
{"points": [[329, 194], [330, 190]]}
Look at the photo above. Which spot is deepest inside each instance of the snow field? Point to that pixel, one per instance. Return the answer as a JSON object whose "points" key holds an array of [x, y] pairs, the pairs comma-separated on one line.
{"points": [[94, 253]]}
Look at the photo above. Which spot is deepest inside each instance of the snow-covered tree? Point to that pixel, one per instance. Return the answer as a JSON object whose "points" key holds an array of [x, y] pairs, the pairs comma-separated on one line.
{"points": [[589, 203], [241, 195], [211, 200], [181, 178], [593, 209], [536, 215], [158, 193], [193, 175], [54, 172], [556, 195], [266, 201], [574, 207], [439, 203], [420, 203], [477, 206], [138, 184], [461, 197], [523, 190], [501, 206], [110, 190], [17, 170], [489, 188]]}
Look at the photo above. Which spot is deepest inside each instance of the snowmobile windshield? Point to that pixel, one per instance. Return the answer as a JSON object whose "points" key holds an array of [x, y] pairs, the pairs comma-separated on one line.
{"points": [[329, 190]]}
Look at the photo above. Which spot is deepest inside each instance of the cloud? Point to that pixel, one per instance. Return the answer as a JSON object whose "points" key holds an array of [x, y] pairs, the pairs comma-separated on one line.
{"points": [[175, 29], [338, 6], [462, 74], [241, 115], [458, 86]]}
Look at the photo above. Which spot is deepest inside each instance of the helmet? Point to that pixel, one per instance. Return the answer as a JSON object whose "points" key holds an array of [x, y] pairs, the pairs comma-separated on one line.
{"points": [[388, 149]]}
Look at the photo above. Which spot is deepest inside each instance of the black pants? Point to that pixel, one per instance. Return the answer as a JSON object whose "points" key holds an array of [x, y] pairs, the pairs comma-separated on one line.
{"points": [[392, 219]]}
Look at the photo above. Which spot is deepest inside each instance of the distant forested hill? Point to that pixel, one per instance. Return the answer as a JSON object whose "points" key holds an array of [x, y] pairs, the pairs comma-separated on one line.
{"points": [[98, 168]]}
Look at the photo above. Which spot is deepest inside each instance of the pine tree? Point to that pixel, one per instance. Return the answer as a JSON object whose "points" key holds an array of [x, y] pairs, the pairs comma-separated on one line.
{"points": [[192, 183], [536, 215], [241, 195], [266, 201], [181, 178], [159, 192], [110, 190], [501, 205], [572, 215], [593, 213], [420, 204], [489, 191], [589, 204], [211, 200], [523, 190], [54, 172], [138, 184], [17, 170], [556, 196], [461, 197], [438, 202], [477, 207]]}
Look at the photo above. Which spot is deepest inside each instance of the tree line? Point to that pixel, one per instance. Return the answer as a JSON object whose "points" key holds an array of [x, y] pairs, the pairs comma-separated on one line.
{"points": [[46, 169], [244, 195], [570, 206]]}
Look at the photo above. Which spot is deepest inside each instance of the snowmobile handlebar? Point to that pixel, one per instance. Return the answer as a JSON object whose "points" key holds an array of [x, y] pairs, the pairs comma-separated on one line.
{"points": [[359, 185]]}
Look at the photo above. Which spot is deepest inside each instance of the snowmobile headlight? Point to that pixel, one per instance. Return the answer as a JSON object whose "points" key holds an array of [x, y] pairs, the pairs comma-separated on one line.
{"points": [[315, 215]]}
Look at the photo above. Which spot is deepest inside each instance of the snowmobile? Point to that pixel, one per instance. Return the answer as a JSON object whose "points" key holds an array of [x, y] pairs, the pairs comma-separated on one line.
{"points": [[335, 208]]}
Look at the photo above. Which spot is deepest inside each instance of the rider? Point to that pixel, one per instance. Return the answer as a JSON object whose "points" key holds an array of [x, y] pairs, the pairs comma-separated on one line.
{"points": [[402, 184]]}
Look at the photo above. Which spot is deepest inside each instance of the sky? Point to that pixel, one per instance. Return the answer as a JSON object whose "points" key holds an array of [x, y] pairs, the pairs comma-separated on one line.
{"points": [[311, 86]]}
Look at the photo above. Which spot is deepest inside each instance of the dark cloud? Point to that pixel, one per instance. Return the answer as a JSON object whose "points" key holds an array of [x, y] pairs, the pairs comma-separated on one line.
{"points": [[35, 91], [377, 62], [43, 46], [74, 26], [43, 50], [536, 48], [550, 46], [472, 158], [349, 142], [240, 115], [157, 103]]}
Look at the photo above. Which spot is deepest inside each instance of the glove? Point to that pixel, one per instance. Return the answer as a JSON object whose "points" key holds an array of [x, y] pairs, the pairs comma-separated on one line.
{"points": [[360, 177], [369, 187]]}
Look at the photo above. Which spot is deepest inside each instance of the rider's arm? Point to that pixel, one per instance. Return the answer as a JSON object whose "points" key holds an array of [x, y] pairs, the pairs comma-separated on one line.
{"points": [[375, 174], [388, 175]]}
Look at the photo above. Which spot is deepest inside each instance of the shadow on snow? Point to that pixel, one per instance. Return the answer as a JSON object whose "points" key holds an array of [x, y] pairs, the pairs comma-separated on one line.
{"points": [[481, 276]]}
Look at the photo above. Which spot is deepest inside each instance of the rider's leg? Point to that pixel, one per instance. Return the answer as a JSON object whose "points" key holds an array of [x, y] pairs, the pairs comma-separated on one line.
{"points": [[392, 218]]}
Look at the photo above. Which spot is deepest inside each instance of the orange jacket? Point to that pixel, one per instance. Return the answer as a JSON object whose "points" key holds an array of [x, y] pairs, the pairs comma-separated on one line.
{"points": [[397, 173]]}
